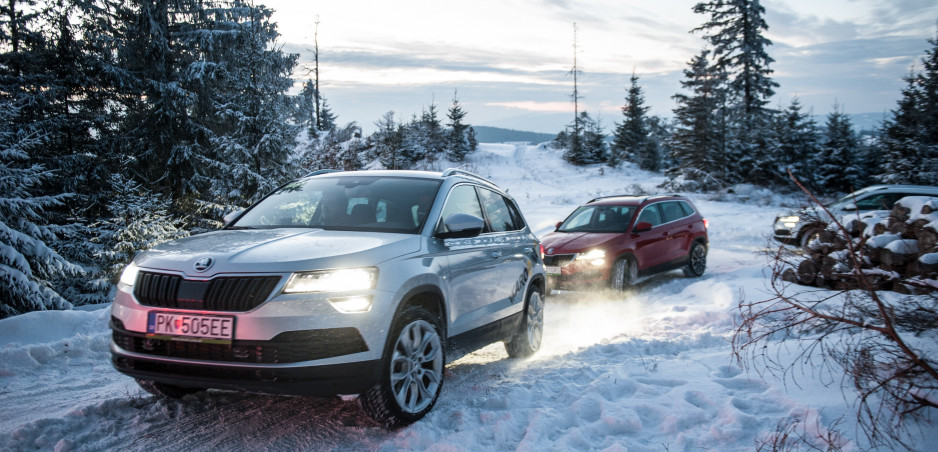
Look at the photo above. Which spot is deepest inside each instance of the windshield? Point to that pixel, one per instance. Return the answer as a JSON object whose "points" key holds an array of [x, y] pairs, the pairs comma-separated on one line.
{"points": [[598, 219], [347, 202]]}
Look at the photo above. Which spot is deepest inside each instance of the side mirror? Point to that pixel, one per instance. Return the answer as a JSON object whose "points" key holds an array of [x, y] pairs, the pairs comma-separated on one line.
{"points": [[557, 226], [850, 207], [231, 216], [462, 226], [642, 227]]}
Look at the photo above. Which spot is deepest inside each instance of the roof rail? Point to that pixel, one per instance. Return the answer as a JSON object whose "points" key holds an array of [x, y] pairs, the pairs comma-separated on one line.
{"points": [[322, 171], [451, 171], [644, 197]]}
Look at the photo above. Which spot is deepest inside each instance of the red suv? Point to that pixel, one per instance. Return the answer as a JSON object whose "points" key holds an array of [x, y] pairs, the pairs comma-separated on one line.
{"points": [[614, 240]]}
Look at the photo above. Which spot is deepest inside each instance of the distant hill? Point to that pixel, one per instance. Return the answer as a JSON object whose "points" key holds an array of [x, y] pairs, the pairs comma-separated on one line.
{"points": [[485, 134]]}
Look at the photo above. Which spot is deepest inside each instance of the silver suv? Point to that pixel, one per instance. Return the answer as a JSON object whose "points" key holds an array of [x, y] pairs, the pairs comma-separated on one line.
{"points": [[339, 283], [802, 226]]}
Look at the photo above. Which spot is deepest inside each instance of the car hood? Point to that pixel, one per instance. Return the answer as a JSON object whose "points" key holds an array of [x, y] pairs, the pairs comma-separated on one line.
{"points": [[276, 251], [575, 242]]}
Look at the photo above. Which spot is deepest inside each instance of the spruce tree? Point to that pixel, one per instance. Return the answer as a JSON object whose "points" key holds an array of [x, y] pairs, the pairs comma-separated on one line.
{"points": [[631, 139], [28, 264], [698, 147], [840, 170], [459, 141], [793, 145], [735, 30], [903, 152], [250, 134]]}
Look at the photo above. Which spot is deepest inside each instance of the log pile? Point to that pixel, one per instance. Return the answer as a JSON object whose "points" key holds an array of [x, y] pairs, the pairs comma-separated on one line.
{"points": [[892, 250]]}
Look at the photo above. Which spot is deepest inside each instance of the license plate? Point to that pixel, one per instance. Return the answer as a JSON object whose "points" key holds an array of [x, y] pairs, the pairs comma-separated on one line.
{"points": [[552, 270], [191, 327]]}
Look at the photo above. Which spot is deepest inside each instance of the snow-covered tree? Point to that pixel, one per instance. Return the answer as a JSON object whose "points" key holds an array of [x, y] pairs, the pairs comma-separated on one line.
{"points": [[908, 145], [631, 139], [28, 264], [251, 135], [735, 29], [583, 141], [460, 138], [793, 145], [841, 167], [698, 147]]}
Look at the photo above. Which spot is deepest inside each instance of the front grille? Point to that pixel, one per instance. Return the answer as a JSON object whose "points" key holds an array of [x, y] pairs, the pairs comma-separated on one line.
{"points": [[558, 260], [232, 293], [287, 347]]}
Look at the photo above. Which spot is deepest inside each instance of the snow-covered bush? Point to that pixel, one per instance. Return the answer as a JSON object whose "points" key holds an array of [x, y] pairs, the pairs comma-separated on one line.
{"points": [[883, 342]]}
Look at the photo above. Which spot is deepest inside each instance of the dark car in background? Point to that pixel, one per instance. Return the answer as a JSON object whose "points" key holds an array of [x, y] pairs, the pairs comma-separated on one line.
{"points": [[617, 239]]}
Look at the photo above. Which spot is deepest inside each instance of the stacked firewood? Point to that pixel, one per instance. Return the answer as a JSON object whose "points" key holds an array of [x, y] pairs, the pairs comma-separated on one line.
{"points": [[879, 250]]}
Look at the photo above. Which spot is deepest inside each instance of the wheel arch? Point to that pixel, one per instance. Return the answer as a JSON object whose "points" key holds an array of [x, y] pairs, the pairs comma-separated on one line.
{"points": [[428, 297]]}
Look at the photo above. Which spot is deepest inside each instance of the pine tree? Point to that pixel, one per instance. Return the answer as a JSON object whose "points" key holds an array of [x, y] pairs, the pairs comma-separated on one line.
{"points": [[388, 142], [251, 136], [735, 30], [901, 147], [840, 170], [28, 264], [459, 141], [793, 146], [632, 141], [583, 141], [698, 146]]}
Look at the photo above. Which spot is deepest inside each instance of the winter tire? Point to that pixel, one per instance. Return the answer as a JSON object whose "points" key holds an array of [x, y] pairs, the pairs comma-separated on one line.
{"points": [[624, 273], [696, 260], [809, 234], [528, 338], [412, 377], [166, 390]]}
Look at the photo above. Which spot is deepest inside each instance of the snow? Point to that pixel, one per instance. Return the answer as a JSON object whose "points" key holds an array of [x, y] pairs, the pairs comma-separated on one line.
{"points": [[651, 370]]}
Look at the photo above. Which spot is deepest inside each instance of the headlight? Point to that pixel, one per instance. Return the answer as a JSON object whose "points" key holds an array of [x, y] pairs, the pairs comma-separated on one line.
{"points": [[345, 280], [129, 275], [790, 219], [595, 257]]}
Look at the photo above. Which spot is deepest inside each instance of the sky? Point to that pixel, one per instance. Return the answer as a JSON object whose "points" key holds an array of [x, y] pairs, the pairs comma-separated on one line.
{"points": [[508, 61]]}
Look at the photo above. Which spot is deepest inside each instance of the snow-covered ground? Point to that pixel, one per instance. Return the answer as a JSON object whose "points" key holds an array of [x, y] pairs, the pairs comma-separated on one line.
{"points": [[649, 371]]}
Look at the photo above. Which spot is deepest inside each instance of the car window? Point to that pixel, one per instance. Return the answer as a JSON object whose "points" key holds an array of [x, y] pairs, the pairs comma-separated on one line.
{"points": [[497, 212], [670, 211], [345, 203], [688, 210], [598, 219], [461, 199], [651, 215], [880, 201]]}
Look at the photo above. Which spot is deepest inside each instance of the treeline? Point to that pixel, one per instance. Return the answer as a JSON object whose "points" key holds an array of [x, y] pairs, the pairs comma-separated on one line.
{"points": [[724, 131], [124, 123]]}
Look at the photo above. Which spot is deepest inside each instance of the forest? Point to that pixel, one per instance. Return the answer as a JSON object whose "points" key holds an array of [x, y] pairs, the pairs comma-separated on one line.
{"points": [[127, 123]]}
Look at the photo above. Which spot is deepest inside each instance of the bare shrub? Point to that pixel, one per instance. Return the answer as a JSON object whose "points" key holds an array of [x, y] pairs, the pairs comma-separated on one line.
{"points": [[882, 345]]}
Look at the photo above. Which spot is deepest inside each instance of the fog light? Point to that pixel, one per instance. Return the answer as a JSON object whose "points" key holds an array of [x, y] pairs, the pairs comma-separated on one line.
{"points": [[351, 305]]}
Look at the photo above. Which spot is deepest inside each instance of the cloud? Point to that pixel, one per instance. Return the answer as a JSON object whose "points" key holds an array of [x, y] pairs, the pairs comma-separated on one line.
{"points": [[547, 107]]}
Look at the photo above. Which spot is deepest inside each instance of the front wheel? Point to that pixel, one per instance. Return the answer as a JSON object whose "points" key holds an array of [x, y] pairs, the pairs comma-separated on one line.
{"points": [[696, 260], [413, 370], [528, 339], [624, 273]]}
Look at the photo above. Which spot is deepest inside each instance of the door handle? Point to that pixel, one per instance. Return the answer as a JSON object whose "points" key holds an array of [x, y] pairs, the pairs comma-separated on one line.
{"points": [[496, 254]]}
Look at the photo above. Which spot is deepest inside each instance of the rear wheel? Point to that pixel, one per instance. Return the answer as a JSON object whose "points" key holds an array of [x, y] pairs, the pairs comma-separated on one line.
{"points": [[413, 370], [624, 273], [696, 260], [528, 339], [166, 390]]}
